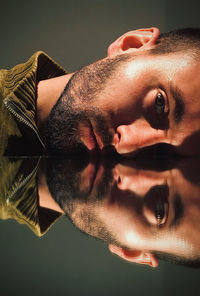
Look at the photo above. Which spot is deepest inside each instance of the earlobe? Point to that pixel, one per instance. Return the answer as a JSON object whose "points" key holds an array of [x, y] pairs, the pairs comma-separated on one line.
{"points": [[140, 257], [134, 40]]}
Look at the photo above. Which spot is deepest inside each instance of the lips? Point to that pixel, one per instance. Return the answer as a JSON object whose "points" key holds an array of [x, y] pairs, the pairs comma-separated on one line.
{"points": [[88, 137], [91, 175], [91, 138], [98, 140]]}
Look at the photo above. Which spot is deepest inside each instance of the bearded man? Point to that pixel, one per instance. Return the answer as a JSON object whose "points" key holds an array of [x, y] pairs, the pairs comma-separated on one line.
{"points": [[144, 93]]}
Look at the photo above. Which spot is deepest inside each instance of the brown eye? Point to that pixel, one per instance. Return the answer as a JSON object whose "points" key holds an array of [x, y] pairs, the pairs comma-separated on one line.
{"points": [[160, 104]]}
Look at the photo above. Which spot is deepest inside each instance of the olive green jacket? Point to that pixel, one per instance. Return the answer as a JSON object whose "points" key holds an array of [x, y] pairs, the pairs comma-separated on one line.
{"points": [[19, 134], [19, 195]]}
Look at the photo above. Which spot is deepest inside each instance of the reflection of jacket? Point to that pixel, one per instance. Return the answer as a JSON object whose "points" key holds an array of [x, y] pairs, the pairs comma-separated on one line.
{"points": [[18, 130], [19, 195]]}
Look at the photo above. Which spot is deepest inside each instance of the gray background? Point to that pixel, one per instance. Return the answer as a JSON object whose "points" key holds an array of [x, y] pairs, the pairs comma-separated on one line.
{"points": [[65, 262]]}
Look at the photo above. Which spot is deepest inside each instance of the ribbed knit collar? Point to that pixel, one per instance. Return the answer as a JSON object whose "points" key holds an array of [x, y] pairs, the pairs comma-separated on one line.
{"points": [[21, 84], [22, 80]]}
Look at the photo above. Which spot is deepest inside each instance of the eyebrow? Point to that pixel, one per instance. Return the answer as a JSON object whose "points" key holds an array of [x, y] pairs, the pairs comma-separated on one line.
{"points": [[178, 210], [179, 109]]}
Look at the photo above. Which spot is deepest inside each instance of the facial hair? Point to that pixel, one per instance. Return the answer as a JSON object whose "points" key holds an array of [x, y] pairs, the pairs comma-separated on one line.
{"points": [[77, 105]]}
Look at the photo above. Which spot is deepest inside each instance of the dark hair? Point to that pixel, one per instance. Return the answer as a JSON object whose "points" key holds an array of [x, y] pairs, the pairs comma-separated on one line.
{"points": [[179, 40], [193, 262]]}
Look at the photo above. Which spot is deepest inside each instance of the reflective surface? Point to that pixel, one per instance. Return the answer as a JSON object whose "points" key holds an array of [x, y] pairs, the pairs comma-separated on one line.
{"points": [[142, 208], [64, 261]]}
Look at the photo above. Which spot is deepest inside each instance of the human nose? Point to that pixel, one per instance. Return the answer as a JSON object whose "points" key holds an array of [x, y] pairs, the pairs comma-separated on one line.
{"points": [[130, 138], [137, 180], [139, 183]]}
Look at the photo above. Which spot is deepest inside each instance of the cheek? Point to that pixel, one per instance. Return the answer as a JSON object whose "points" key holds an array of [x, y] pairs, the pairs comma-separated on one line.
{"points": [[122, 100]]}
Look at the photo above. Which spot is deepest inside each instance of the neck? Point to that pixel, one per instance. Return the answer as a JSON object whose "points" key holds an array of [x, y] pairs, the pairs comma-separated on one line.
{"points": [[48, 92]]}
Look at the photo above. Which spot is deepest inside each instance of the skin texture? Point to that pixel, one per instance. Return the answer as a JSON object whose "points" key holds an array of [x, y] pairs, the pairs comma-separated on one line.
{"points": [[145, 209], [129, 211], [48, 92], [44, 197], [140, 126], [127, 103]]}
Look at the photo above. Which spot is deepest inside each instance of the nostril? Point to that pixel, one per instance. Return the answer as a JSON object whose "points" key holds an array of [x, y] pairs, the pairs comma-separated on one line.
{"points": [[119, 180], [119, 136]]}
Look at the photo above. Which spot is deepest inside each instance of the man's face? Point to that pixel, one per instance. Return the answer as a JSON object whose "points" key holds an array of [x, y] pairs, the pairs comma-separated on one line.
{"points": [[153, 99], [154, 211], [150, 99], [145, 210]]}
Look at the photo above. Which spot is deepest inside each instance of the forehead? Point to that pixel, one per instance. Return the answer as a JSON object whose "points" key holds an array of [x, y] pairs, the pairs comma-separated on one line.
{"points": [[179, 70], [188, 80], [168, 64]]}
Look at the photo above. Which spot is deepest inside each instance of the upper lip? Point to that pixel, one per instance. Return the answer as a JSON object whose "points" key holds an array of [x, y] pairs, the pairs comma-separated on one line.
{"points": [[93, 134], [101, 147], [97, 138]]}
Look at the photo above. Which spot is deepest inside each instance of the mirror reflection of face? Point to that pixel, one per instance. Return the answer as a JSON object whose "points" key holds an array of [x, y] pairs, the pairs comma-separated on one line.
{"points": [[152, 211]]}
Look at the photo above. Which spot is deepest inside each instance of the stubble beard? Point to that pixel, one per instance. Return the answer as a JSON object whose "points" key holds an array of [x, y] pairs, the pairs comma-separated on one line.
{"points": [[77, 105], [63, 133]]}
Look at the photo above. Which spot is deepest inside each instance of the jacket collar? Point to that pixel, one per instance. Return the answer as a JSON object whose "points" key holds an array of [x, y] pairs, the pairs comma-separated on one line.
{"points": [[21, 83]]}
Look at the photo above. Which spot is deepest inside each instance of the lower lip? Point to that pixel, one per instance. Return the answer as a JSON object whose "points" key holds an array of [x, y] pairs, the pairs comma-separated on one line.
{"points": [[91, 170], [94, 172], [98, 140], [88, 137]]}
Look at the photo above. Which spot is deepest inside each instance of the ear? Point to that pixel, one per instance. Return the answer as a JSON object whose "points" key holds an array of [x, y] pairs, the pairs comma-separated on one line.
{"points": [[139, 257], [134, 40]]}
